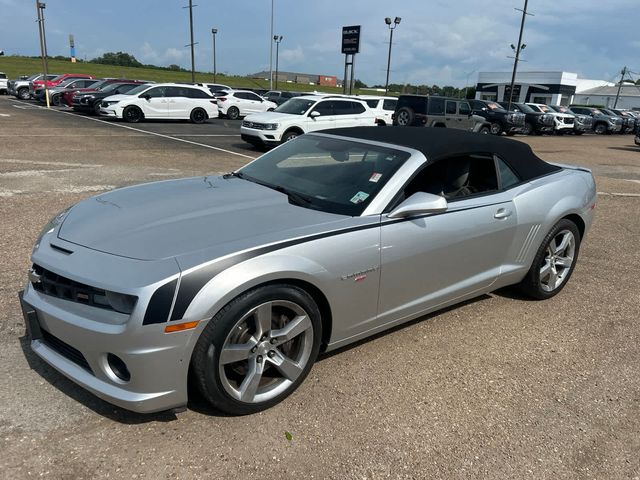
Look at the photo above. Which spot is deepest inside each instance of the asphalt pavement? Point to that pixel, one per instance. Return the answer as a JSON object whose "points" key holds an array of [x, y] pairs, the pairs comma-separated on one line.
{"points": [[499, 388]]}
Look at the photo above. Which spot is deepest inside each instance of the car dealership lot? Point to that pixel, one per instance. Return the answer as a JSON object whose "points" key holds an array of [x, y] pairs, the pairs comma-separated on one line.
{"points": [[500, 387]]}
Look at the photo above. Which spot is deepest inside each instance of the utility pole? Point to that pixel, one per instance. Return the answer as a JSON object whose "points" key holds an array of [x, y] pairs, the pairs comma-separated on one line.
{"points": [[271, 51], [192, 44], [392, 27], [517, 51], [277, 39], [43, 46], [623, 73], [214, 31]]}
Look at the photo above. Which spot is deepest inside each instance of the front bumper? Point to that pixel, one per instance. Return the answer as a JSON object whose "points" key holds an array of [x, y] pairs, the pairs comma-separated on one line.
{"points": [[77, 347], [77, 338], [264, 137], [110, 112]]}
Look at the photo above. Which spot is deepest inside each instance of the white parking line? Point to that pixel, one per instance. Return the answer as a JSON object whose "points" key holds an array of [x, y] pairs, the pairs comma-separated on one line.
{"points": [[4, 115], [150, 133], [37, 162]]}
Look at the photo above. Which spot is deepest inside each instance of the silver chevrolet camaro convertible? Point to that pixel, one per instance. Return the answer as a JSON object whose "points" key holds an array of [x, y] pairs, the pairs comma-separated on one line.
{"points": [[238, 281]]}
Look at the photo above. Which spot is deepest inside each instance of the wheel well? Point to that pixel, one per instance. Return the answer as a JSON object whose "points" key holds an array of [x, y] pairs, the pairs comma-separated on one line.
{"points": [[293, 129], [439, 125], [579, 223]]}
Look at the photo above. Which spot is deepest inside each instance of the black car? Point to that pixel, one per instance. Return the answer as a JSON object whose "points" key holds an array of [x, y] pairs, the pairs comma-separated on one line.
{"points": [[534, 122], [499, 118], [90, 101], [629, 125]]}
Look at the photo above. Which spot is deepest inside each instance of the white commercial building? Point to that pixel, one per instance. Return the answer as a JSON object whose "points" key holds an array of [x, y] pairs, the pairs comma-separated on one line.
{"points": [[606, 96], [552, 88]]}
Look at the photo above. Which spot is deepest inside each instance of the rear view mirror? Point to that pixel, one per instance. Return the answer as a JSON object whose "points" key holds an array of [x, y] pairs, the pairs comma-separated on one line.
{"points": [[420, 203]]}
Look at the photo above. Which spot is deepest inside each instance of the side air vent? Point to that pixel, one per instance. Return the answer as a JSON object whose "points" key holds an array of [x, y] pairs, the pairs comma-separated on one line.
{"points": [[60, 249]]}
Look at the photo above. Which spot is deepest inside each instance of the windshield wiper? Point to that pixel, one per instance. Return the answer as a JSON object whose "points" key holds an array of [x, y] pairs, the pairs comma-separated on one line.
{"points": [[233, 174], [294, 198]]}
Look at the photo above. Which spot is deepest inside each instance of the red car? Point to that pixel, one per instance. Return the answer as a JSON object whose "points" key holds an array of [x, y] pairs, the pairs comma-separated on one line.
{"points": [[39, 84], [67, 97]]}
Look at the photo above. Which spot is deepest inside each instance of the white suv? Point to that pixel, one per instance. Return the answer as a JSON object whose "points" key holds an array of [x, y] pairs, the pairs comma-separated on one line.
{"points": [[169, 101], [305, 114], [239, 103], [382, 107], [563, 122], [3, 83]]}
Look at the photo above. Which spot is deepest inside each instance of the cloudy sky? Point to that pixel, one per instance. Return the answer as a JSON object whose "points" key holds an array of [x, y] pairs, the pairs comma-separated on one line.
{"points": [[438, 41]]}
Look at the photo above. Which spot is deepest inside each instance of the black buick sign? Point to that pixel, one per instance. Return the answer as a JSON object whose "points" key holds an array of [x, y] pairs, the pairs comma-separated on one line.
{"points": [[351, 39]]}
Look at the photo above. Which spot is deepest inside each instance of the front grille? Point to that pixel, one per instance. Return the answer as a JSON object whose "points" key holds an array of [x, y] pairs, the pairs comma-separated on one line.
{"points": [[254, 125], [64, 349], [61, 287], [568, 120]]}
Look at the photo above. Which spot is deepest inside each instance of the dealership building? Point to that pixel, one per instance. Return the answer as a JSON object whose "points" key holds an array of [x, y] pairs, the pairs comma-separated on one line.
{"points": [[293, 77], [553, 88]]}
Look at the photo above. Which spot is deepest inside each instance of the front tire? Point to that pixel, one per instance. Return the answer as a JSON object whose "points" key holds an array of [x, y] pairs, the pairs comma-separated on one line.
{"points": [[258, 349], [600, 129], [198, 115], [554, 261], [23, 93], [290, 135], [96, 107], [132, 114], [528, 129]]}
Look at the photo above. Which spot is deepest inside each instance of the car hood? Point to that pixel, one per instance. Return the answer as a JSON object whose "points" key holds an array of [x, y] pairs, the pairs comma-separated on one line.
{"points": [[181, 217], [271, 117], [116, 98]]}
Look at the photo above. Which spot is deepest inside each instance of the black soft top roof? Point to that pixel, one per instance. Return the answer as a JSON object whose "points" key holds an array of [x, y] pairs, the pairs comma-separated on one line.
{"points": [[440, 143]]}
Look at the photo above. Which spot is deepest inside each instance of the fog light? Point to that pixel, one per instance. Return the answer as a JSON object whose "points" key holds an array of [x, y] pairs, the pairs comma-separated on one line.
{"points": [[118, 367]]}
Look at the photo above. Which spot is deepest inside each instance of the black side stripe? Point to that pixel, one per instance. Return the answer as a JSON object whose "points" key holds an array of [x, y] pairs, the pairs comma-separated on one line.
{"points": [[160, 303], [193, 282]]}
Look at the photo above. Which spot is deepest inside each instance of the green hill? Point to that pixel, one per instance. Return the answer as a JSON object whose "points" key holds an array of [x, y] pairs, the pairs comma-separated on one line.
{"points": [[14, 66]]}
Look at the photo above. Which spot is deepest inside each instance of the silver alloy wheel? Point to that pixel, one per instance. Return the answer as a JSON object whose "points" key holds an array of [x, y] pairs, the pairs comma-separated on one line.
{"points": [[266, 351], [558, 261], [403, 118], [290, 136], [495, 128]]}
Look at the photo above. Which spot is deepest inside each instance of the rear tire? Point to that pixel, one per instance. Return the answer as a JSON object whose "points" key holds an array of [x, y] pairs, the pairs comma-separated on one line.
{"points": [[554, 261], [198, 115], [495, 129], [485, 131], [600, 129], [56, 101], [233, 113], [132, 114]]}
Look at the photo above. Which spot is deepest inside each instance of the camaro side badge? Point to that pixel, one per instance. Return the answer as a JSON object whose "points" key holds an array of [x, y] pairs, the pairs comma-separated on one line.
{"points": [[358, 276]]}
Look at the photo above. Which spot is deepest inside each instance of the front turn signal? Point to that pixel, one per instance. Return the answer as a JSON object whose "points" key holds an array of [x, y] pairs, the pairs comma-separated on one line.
{"points": [[179, 327]]}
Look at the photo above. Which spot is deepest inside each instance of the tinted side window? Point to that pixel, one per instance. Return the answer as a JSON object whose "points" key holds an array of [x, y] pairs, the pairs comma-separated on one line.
{"points": [[156, 92], [372, 103], [342, 108], [195, 93], [241, 95], [176, 92], [465, 109], [252, 96], [451, 107], [436, 106], [507, 177], [389, 105], [126, 88], [324, 108], [357, 107]]}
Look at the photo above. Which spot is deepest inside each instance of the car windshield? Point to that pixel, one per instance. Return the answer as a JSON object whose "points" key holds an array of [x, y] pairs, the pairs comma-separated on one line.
{"points": [[535, 108], [296, 106], [544, 108], [110, 87], [325, 173], [138, 89], [494, 106], [66, 82]]}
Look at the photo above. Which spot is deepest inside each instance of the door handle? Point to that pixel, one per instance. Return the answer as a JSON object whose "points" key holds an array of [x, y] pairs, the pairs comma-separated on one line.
{"points": [[502, 213]]}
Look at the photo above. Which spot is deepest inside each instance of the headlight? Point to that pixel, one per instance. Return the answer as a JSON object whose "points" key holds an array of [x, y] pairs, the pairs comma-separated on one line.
{"points": [[109, 103], [89, 97], [271, 126], [51, 225], [120, 302]]}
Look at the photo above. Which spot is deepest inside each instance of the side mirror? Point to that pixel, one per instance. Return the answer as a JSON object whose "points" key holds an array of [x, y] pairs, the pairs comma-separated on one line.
{"points": [[147, 97], [314, 114], [420, 203]]}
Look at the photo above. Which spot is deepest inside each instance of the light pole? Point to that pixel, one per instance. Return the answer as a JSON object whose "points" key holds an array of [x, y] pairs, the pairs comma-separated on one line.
{"points": [[392, 26], [277, 39], [43, 46], [192, 44], [271, 51], [214, 31], [517, 51]]}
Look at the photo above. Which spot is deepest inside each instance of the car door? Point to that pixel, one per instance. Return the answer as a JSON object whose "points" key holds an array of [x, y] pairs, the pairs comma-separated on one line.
{"points": [[428, 261], [325, 119], [178, 102], [451, 114], [465, 119], [255, 103], [153, 103]]}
